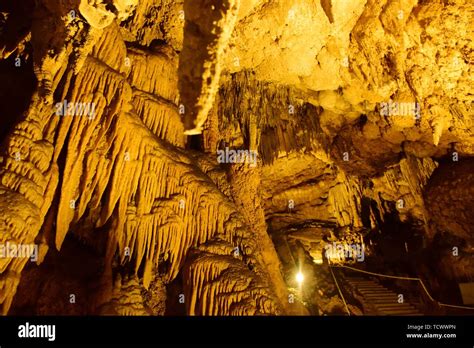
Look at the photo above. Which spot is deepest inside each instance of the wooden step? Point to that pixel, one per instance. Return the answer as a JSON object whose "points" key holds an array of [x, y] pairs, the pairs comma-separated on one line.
{"points": [[397, 311], [375, 291], [355, 279], [368, 282], [382, 301], [389, 303], [393, 306], [403, 314], [380, 293], [400, 312], [381, 296], [370, 287], [389, 300]]}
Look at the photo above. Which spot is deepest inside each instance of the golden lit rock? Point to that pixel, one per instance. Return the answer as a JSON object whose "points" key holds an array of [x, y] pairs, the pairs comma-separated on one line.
{"points": [[213, 157]]}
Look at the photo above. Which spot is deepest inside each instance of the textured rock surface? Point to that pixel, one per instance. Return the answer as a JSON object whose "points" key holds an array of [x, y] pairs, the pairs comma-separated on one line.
{"points": [[359, 113]]}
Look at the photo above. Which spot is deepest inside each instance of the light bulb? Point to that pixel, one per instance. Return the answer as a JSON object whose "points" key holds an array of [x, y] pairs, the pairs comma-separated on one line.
{"points": [[299, 278]]}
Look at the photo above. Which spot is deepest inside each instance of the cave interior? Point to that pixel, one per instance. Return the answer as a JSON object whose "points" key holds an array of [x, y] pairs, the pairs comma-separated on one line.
{"points": [[236, 157]]}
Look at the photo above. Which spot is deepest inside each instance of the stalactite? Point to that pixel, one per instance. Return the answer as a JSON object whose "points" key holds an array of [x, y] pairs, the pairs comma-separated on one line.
{"points": [[225, 287], [403, 184], [199, 83], [24, 202], [344, 200], [121, 174], [116, 156], [278, 120]]}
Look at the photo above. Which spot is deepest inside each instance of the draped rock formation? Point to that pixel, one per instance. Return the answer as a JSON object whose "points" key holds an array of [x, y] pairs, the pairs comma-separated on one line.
{"points": [[191, 156]]}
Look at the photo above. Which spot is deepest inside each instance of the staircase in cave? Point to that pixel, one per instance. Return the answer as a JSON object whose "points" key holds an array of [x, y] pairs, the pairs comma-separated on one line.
{"points": [[378, 300]]}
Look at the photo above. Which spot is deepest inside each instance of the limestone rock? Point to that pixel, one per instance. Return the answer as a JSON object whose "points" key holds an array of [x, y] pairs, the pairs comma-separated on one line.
{"points": [[199, 153]]}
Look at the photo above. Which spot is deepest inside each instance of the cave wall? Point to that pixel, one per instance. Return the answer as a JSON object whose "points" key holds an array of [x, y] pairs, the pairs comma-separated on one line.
{"points": [[310, 87]]}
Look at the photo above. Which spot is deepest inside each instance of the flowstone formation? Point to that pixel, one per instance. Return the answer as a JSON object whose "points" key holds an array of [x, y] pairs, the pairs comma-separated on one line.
{"points": [[166, 157]]}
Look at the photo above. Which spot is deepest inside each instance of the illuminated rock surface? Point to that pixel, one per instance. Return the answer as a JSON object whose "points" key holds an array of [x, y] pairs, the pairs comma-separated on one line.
{"points": [[114, 113]]}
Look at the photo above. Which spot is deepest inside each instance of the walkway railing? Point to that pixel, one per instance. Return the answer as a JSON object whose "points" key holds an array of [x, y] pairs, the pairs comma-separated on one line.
{"points": [[403, 278]]}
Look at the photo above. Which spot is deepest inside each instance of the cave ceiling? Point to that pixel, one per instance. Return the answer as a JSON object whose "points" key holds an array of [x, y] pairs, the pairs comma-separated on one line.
{"points": [[185, 157]]}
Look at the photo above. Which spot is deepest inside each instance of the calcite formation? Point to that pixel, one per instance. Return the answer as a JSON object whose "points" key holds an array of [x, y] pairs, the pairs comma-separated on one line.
{"points": [[114, 113]]}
